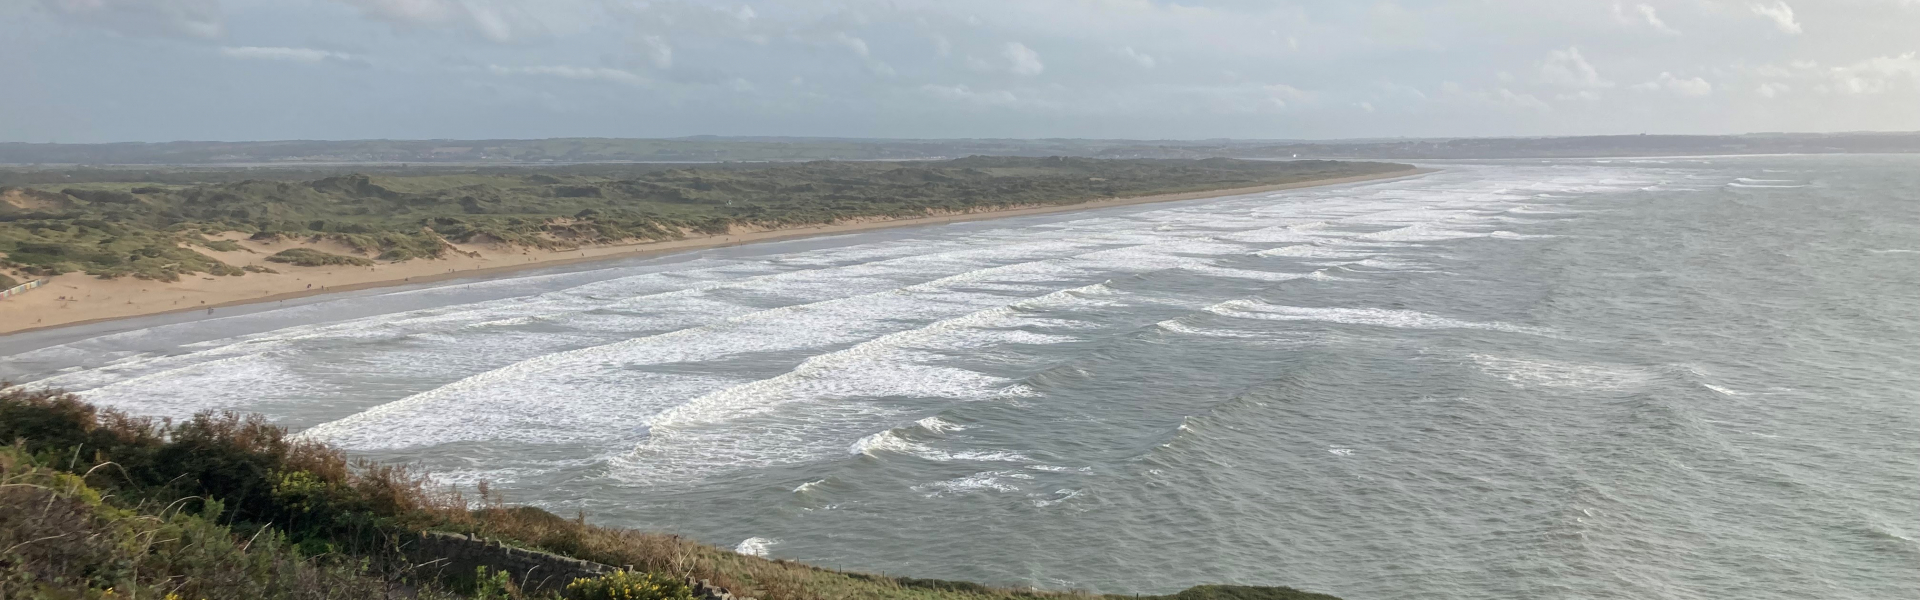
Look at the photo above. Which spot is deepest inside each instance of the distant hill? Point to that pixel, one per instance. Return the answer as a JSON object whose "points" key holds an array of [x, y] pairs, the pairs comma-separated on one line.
{"points": [[722, 149]]}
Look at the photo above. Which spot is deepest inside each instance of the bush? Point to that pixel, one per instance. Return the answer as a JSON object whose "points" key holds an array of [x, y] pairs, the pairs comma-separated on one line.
{"points": [[225, 246], [308, 257], [282, 500], [623, 585], [60, 538]]}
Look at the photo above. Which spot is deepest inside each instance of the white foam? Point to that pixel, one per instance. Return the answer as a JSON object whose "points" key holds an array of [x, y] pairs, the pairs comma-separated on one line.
{"points": [[1174, 325], [809, 486], [938, 425], [1422, 232], [1508, 235], [755, 546], [878, 444], [1722, 390], [1255, 309], [1061, 495], [983, 481], [1311, 251], [1541, 373]]}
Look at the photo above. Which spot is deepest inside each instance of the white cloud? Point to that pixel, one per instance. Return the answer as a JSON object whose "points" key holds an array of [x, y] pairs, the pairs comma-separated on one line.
{"points": [[493, 21], [1173, 68], [857, 45], [658, 51], [963, 94], [569, 72], [1145, 61], [1692, 86], [1780, 14], [1653, 18], [1280, 94], [186, 18], [305, 55], [1023, 59], [1642, 13], [1499, 98], [1877, 75], [1568, 68]]}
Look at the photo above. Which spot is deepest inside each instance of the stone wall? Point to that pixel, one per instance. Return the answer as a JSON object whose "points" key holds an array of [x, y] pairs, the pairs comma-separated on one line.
{"points": [[455, 556]]}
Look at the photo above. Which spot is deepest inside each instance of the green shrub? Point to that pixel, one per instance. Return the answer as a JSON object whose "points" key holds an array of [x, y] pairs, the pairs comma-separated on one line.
{"points": [[497, 585], [308, 257], [301, 522], [624, 585], [61, 538]]}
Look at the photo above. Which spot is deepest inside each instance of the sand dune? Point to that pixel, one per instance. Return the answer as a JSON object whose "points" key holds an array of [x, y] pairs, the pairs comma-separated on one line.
{"points": [[76, 298]]}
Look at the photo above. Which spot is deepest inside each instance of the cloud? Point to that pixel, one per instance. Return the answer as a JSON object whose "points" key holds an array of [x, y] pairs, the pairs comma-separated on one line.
{"points": [[1692, 86], [857, 45], [489, 20], [173, 18], [658, 51], [1024, 60], [1500, 98], [963, 94], [1780, 14], [1568, 68], [1145, 61], [1125, 68], [1653, 18], [1876, 75], [304, 55], [1281, 94], [1642, 13], [569, 72]]}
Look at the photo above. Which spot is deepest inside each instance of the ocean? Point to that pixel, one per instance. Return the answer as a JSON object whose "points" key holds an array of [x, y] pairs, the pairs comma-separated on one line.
{"points": [[1631, 378]]}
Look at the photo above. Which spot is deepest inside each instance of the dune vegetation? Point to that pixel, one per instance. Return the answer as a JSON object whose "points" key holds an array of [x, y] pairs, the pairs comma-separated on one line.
{"points": [[98, 504], [161, 224]]}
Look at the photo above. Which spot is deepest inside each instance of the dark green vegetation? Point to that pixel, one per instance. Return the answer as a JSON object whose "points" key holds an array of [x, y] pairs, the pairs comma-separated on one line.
{"points": [[155, 224], [710, 148], [308, 257], [96, 504]]}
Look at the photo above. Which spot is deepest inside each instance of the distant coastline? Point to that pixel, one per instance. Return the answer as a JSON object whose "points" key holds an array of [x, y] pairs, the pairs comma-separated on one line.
{"points": [[77, 298]]}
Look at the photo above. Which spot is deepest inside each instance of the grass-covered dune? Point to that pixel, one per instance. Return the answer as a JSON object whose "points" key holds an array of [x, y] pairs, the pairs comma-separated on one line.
{"points": [[96, 504], [155, 224]]}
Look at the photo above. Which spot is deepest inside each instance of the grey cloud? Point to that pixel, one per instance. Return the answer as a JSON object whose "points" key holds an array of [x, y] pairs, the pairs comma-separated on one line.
{"points": [[1108, 68]]}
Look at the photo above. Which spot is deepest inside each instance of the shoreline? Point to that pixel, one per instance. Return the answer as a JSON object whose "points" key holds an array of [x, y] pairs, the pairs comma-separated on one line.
{"points": [[62, 293]]}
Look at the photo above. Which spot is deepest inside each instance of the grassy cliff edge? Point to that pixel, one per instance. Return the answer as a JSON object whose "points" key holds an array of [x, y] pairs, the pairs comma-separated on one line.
{"points": [[95, 503]]}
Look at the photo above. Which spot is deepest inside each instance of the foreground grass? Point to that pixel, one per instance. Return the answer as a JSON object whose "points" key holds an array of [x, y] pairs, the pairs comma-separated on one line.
{"points": [[97, 504], [156, 224]]}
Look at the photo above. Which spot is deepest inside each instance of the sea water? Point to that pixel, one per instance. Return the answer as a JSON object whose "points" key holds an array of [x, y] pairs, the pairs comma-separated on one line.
{"points": [[1646, 378]]}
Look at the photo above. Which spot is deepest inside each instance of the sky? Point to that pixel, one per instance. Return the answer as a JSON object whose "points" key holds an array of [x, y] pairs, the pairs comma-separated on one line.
{"points": [[160, 70]]}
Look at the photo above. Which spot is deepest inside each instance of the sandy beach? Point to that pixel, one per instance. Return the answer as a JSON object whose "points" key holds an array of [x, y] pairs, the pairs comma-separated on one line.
{"points": [[76, 298]]}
